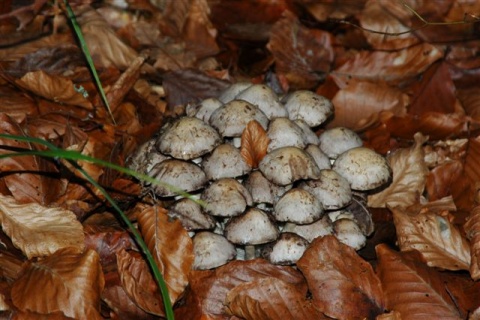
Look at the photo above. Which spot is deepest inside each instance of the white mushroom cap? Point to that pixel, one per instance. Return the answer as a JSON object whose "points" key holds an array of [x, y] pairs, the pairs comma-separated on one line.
{"points": [[204, 109], [225, 162], [183, 175], [265, 99], [285, 133], [226, 198], [188, 138], [286, 250], [145, 157], [311, 231], [252, 228], [330, 188], [288, 164], [308, 106], [260, 188], [298, 206], [336, 141], [211, 250], [231, 92], [231, 119], [321, 159], [191, 215], [363, 168], [349, 233], [308, 134]]}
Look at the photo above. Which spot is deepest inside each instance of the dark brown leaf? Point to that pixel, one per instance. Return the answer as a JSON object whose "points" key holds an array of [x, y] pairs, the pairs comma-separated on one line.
{"points": [[254, 143], [472, 230]]}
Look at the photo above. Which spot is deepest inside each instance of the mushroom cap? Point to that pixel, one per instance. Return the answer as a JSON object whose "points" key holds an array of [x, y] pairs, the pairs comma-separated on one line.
{"points": [[191, 215], [311, 231], [363, 168], [336, 141], [211, 250], [308, 106], [226, 198], [225, 162], [285, 133], [204, 109], [263, 190], [231, 92], [286, 250], [287, 165], [231, 119], [253, 227], [349, 233], [180, 174], [330, 188], [265, 99], [308, 134], [321, 159], [298, 206], [188, 138], [145, 157]]}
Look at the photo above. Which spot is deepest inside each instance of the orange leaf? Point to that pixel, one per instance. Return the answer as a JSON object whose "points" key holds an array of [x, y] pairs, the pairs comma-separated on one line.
{"points": [[472, 229], [254, 143]]}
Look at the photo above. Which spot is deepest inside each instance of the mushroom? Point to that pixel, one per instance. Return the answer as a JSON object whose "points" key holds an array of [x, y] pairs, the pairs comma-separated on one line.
{"points": [[226, 198], [349, 233], [308, 134], [191, 215], [225, 162], [211, 250], [311, 231], [336, 141], [145, 157], [204, 109], [298, 206], [285, 133], [231, 92], [286, 250], [321, 159], [363, 168], [287, 165], [308, 106], [265, 99], [252, 228], [188, 138]]}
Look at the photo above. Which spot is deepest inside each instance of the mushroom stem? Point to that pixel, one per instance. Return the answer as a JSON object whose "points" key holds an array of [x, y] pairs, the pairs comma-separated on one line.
{"points": [[250, 252]]}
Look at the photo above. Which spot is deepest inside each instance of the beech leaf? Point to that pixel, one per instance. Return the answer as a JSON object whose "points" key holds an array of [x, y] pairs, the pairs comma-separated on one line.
{"points": [[472, 230], [412, 288], [38, 230], [65, 281], [270, 298], [439, 241], [409, 176], [254, 143], [343, 285]]}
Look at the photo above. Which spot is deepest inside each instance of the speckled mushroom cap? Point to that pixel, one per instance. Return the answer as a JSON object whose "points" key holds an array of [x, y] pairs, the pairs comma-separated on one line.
{"points": [[363, 168], [231, 119], [225, 162], [204, 109], [226, 198], [231, 92], [211, 250], [337, 140], [308, 106], [265, 99], [283, 132], [286, 250], [252, 228], [298, 206], [188, 138]]}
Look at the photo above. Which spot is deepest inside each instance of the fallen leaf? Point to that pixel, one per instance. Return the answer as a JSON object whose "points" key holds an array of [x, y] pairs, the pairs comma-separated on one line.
{"points": [[412, 288], [254, 143], [171, 247], [440, 180], [409, 175], [472, 231], [38, 230], [15, 104], [65, 281], [439, 241], [342, 284], [270, 298]]}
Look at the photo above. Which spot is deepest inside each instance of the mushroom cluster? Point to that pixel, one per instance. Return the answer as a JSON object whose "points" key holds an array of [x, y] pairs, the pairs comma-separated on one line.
{"points": [[306, 186]]}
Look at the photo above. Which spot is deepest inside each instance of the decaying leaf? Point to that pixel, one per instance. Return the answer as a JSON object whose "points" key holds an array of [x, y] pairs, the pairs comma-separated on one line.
{"points": [[254, 143], [270, 298], [343, 285], [38, 230], [439, 241], [171, 247], [472, 230], [412, 288], [65, 282], [409, 175]]}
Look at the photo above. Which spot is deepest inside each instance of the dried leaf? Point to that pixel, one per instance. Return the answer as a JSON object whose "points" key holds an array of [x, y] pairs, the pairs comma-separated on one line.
{"points": [[174, 261], [412, 288], [409, 175], [65, 281], [440, 181], [38, 230], [472, 230], [270, 298], [254, 143], [435, 237], [343, 285], [15, 104]]}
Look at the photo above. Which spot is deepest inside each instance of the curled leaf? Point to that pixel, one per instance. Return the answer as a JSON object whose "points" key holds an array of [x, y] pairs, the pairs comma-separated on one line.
{"points": [[254, 143], [472, 230]]}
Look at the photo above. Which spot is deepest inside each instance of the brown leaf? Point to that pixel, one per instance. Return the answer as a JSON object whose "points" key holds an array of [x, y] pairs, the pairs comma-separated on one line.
{"points": [[412, 288], [303, 55], [343, 285], [65, 281], [171, 247], [209, 289], [254, 143], [439, 241], [440, 181], [472, 231], [15, 104], [409, 175], [38, 230], [270, 298]]}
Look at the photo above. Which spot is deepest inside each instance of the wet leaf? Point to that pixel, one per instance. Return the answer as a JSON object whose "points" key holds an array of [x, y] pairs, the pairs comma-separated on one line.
{"points": [[412, 288], [254, 143], [343, 285], [472, 231], [409, 174], [65, 281], [270, 298], [439, 241], [38, 230]]}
